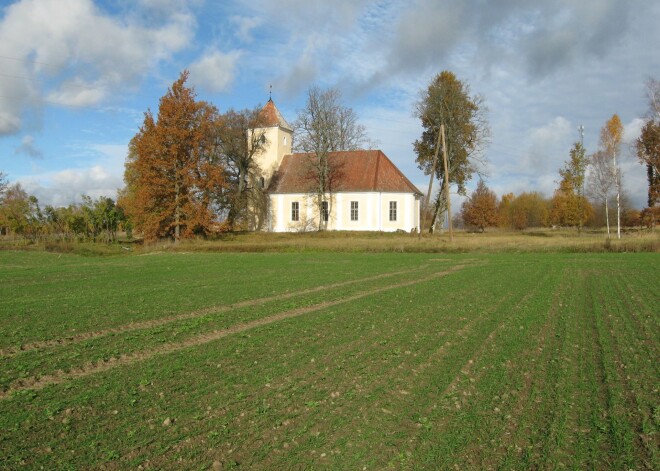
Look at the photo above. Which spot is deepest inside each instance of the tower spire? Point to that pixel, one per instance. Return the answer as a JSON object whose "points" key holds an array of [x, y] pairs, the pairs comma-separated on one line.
{"points": [[270, 93]]}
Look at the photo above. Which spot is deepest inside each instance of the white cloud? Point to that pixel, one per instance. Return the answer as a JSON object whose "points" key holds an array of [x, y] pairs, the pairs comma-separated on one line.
{"points": [[215, 70], [74, 53], [67, 186], [245, 25], [547, 147], [77, 92], [103, 177], [632, 130], [28, 148]]}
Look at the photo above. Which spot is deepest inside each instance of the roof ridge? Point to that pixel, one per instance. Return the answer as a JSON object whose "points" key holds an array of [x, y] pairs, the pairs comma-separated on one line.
{"points": [[365, 170]]}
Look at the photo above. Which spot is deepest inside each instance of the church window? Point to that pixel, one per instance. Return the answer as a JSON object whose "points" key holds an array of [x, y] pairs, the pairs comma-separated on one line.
{"points": [[262, 183], [392, 210], [354, 210], [284, 140], [295, 211], [325, 211]]}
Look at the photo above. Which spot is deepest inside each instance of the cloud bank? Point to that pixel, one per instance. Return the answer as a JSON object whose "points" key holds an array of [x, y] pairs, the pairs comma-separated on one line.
{"points": [[72, 53]]}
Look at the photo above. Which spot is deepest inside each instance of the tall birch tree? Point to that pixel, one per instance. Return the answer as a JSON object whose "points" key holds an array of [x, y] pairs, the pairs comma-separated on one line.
{"points": [[601, 181], [611, 136]]}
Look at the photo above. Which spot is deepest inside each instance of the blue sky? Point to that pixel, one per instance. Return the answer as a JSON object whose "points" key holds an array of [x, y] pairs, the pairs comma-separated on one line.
{"points": [[77, 75]]}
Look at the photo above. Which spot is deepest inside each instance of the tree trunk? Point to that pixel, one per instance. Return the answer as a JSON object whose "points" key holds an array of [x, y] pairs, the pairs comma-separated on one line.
{"points": [[618, 214], [241, 202], [319, 205], [447, 197], [436, 211], [607, 218], [618, 192], [177, 213], [580, 210], [323, 183]]}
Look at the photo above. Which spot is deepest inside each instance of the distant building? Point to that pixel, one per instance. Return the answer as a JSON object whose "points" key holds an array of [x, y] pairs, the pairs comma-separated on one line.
{"points": [[368, 192]]}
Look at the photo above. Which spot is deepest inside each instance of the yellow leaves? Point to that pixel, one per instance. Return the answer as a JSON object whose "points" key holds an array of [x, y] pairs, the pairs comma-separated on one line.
{"points": [[611, 134]]}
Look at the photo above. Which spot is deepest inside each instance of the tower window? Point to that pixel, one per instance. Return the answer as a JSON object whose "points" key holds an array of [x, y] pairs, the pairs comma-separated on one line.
{"points": [[262, 139], [284, 140], [262, 183]]}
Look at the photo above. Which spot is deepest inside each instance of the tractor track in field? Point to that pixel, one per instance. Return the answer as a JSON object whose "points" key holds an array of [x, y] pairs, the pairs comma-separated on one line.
{"points": [[520, 400], [466, 371], [40, 382], [469, 365], [516, 433], [217, 309], [402, 395], [630, 394], [363, 386]]}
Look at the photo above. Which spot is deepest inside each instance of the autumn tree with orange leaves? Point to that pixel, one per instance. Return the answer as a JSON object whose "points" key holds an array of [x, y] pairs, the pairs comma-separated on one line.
{"points": [[480, 210], [174, 177]]}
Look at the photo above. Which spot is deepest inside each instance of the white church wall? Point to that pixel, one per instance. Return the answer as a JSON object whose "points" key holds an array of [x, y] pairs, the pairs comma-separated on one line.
{"points": [[373, 212]]}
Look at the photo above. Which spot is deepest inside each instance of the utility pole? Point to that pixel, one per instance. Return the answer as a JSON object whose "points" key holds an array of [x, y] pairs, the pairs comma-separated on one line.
{"points": [[444, 158], [580, 206], [428, 193], [581, 129]]}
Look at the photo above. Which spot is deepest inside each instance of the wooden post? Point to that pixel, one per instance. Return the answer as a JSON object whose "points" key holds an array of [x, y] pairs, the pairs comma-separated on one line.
{"points": [[444, 158], [428, 193]]}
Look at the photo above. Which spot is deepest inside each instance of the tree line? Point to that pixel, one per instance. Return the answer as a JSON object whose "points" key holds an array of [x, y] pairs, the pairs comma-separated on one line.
{"points": [[589, 186], [587, 182], [192, 171], [95, 220]]}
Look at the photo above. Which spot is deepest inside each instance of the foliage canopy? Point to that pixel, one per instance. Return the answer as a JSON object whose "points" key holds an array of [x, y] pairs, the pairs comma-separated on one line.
{"points": [[173, 174], [480, 210], [447, 101]]}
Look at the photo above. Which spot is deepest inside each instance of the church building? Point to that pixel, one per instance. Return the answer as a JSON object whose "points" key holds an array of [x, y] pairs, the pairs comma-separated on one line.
{"points": [[368, 192]]}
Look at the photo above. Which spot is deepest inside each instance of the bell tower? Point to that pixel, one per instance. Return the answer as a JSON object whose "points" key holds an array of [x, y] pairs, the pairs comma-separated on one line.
{"points": [[275, 136]]}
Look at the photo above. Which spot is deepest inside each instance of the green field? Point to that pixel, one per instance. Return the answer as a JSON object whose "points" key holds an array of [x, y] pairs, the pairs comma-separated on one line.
{"points": [[329, 361]]}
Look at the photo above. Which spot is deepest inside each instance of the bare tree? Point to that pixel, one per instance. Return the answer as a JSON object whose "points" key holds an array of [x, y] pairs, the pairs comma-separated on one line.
{"points": [[602, 180], [647, 145], [323, 126], [3, 184], [240, 138], [653, 95]]}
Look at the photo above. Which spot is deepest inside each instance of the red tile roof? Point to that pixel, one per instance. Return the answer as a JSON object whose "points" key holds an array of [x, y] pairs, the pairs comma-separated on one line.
{"points": [[360, 170], [271, 116]]}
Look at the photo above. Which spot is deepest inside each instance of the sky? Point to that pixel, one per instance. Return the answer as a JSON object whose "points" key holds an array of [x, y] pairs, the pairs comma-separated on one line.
{"points": [[76, 77]]}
